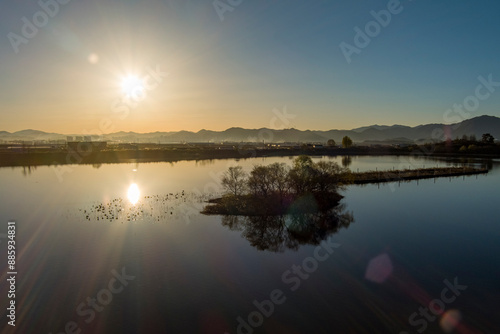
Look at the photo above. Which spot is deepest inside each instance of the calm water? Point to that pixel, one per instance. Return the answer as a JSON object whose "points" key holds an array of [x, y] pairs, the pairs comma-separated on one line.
{"points": [[189, 273]]}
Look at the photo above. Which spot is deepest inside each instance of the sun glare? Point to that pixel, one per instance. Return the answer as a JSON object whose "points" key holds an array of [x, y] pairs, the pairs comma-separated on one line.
{"points": [[133, 86], [133, 193]]}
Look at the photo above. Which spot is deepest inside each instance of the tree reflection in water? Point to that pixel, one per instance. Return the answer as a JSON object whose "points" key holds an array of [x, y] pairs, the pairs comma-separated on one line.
{"points": [[290, 231]]}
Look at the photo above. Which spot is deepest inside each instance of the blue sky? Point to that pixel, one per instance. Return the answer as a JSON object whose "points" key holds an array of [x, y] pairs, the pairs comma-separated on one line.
{"points": [[263, 55]]}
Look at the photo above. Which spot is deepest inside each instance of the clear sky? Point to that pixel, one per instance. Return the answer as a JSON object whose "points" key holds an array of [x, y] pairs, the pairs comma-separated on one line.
{"points": [[67, 77]]}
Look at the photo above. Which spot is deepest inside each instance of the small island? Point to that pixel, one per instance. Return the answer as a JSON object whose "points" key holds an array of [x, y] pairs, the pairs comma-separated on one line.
{"points": [[277, 189]]}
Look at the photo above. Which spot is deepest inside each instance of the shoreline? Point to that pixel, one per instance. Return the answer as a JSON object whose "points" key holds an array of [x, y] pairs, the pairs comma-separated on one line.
{"points": [[20, 159]]}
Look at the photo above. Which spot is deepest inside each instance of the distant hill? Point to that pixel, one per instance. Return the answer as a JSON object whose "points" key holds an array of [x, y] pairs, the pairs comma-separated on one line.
{"points": [[378, 127], [30, 135], [369, 134]]}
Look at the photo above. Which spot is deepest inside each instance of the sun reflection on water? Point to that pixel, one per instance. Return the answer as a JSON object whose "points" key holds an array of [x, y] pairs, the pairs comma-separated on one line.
{"points": [[133, 193]]}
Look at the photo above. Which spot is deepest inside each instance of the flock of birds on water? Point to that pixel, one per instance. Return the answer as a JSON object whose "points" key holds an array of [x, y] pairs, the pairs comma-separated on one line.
{"points": [[149, 209]]}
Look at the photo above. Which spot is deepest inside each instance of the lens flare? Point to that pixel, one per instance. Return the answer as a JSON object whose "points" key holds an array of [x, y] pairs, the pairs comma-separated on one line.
{"points": [[379, 269], [450, 320], [93, 58]]}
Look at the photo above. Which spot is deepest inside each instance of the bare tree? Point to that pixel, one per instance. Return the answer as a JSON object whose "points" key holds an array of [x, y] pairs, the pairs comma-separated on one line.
{"points": [[260, 180], [330, 176], [301, 175], [278, 173], [234, 180]]}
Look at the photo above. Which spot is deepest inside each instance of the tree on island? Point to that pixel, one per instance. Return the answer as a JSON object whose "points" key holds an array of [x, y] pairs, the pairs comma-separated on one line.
{"points": [[330, 142], [346, 142], [301, 175], [259, 181], [234, 180], [321, 177], [279, 178], [269, 180], [330, 177]]}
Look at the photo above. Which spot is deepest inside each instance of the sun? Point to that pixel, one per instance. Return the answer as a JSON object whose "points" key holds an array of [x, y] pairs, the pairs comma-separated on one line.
{"points": [[133, 87]]}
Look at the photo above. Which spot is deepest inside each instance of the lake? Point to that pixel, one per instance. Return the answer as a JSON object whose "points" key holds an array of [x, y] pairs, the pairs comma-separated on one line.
{"points": [[122, 248]]}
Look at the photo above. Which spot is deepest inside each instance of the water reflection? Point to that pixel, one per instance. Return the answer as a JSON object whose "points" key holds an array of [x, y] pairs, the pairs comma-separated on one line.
{"points": [[279, 233], [133, 193], [346, 161], [27, 170], [205, 162]]}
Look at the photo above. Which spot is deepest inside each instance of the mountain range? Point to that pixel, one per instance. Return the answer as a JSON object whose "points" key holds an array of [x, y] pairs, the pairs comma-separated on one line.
{"points": [[368, 134]]}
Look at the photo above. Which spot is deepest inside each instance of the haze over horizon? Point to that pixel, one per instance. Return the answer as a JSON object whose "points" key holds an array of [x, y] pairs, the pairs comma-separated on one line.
{"points": [[243, 70], [239, 127]]}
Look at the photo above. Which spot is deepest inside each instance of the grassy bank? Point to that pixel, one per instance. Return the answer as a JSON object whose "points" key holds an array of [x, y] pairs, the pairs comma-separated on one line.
{"points": [[413, 174]]}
